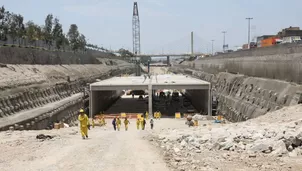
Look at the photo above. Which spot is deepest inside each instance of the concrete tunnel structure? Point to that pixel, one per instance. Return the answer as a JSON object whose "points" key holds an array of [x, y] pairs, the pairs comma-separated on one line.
{"points": [[104, 93]]}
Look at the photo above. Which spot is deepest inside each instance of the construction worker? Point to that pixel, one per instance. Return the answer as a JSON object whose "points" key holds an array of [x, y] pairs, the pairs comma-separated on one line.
{"points": [[151, 123], [103, 121], [195, 122], [84, 123], [155, 115], [114, 123], [118, 124], [143, 124], [147, 115], [159, 115], [138, 122], [126, 122]]}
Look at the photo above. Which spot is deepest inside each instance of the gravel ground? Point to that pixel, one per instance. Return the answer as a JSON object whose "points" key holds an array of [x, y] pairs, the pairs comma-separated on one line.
{"points": [[269, 143], [170, 146], [105, 150]]}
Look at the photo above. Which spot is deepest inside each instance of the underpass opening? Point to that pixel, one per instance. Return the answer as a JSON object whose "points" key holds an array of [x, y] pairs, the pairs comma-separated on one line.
{"points": [[192, 90], [187, 95], [107, 93]]}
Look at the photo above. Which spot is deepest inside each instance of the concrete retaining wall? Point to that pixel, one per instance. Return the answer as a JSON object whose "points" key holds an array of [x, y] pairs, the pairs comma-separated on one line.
{"points": [[29, 89], [241, 97], [282, 62], [280, 49]]}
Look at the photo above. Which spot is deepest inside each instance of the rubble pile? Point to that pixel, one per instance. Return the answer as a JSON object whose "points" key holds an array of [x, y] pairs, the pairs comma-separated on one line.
{"points": [[251, 139]]}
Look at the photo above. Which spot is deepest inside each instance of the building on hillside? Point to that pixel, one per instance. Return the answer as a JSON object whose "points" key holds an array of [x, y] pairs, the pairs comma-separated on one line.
{"points": [[289, 32]]}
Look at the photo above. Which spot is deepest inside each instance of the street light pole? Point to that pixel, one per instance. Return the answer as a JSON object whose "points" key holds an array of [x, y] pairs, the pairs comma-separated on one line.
{"points": [[224, 32], [212, 47], [249, 30]]}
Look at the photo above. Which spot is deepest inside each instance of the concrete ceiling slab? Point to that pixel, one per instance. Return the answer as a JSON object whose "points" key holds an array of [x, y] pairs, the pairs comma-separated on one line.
{"points": [[157, 82]]}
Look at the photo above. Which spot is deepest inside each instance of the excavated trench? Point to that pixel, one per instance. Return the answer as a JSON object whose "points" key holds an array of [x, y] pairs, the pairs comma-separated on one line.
{"points": [[62, 93], [240, 97]]}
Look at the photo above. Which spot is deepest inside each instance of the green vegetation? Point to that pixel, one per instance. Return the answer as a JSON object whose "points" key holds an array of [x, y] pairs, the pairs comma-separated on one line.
{"points": [[51, 33]]}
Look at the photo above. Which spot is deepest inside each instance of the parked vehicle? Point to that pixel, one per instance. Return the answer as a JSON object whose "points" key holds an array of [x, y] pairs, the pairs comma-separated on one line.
{"points": [[245, 46], [260, 38], [270, 41], [253, 45], [292, 39]]}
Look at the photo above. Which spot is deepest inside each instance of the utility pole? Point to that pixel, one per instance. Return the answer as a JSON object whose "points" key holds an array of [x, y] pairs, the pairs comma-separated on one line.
{"points": [[249, 31], [192, 44], [212, 47], [224, 32]]}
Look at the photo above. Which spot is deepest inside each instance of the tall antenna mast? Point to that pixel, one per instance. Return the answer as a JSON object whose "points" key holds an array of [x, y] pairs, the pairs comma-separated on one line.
{"points": [[136, 30]]}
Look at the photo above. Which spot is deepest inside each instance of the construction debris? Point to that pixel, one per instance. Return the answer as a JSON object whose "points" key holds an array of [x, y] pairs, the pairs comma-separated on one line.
{"points": [[253, 139], [44, 137]]}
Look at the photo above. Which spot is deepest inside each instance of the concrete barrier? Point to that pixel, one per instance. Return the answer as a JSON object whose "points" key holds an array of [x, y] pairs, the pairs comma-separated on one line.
{"points": [[283, 62]]}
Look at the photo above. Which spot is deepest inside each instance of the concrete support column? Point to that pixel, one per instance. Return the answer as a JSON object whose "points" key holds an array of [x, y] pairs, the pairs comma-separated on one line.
{"points": [[90, 104], [150, 92], [210, 101]]}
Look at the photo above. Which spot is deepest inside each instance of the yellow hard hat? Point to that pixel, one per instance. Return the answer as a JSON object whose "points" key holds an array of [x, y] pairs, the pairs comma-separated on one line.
{"points": [[81, 111]]}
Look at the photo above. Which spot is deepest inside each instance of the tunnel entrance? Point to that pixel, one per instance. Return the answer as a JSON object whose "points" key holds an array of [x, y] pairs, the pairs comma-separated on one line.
{"points": [[187, 95]]}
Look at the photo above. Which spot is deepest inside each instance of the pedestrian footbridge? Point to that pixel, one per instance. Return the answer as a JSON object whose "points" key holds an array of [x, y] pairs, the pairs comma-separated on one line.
{"points": [[104, 93]]}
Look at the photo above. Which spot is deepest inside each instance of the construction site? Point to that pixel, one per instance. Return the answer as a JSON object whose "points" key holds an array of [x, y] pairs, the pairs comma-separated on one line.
{"points": [[237, 123], [83, 108]]}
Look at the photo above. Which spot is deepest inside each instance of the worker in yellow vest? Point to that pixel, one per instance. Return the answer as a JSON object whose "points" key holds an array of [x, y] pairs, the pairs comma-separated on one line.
{"points": [[155, 115], [126, 122], [138, 122], [159, 115], [118, 124], [147, 114], [142, 122], [102, 121], [84, 124]]}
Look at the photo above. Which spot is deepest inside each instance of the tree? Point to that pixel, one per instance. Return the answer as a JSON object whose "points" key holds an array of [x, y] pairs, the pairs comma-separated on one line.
{"points": [[125, 53], [4, 26], [20, 27], [73, 37], [82, 42], [48, 30], [57, 34], [65, 42], [16, 27], [33, 32]]}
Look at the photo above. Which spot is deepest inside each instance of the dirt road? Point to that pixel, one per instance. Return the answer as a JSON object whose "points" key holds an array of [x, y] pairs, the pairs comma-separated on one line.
{"points": [[106, 150]]}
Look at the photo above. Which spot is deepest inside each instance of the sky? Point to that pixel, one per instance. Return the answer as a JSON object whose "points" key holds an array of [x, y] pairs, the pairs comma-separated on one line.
{"points": [[165, 25]]}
